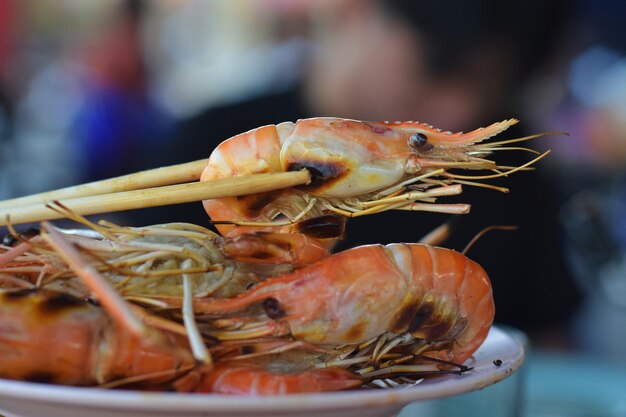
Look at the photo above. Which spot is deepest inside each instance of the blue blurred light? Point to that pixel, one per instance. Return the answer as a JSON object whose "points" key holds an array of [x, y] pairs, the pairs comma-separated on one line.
{"points": [[598, 77]]}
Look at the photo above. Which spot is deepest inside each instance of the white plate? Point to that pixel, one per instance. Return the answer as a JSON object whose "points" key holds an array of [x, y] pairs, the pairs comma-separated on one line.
{"points": [[26, 399]]}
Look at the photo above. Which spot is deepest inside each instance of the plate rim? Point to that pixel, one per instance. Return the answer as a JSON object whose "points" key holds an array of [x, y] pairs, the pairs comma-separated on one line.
{"points": [[434, 388]]}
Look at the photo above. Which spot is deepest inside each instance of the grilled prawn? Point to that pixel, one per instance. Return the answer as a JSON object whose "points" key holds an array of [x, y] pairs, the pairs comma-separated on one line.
{"points": [[52, 337], [149, 260], [435, 300], [357, 168]]}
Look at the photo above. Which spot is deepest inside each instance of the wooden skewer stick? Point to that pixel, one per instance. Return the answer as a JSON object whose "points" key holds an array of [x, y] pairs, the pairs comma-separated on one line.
{"points": [[160, 196], [175, 174]]}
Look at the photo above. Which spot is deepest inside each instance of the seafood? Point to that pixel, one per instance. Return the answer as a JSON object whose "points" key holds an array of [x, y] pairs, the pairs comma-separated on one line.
{"points": [[251, 379], [369, 312], [84, 347], [435, 300], [263, 309], [357, 168], [148, 260]]}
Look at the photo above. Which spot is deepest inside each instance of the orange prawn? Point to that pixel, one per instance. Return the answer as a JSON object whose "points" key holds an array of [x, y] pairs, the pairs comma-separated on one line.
{"points": [[86, 346], [51, 337], [251, 379], [129, 256], [357, 168], [434, 299]]}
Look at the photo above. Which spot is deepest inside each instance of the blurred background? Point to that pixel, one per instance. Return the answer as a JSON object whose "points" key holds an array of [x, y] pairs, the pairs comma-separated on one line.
{"points": [[91, 90]]}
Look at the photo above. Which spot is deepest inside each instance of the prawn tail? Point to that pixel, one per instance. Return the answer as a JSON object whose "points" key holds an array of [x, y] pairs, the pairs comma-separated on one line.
{"points": [[453, 307]]}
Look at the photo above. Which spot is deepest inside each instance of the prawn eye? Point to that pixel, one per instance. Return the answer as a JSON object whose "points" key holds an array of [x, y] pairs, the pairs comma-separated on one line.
{"points": [[9, 240], [272, 308], [419, 142]]}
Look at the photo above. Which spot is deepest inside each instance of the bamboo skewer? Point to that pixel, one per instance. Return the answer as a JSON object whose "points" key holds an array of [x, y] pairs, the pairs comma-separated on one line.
{"points": [[175, 174], [160, 196]]}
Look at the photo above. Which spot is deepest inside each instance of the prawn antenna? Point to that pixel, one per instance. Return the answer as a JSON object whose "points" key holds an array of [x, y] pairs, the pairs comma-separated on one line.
{"points": [[462, 368], [483, 233], [68, 213]]}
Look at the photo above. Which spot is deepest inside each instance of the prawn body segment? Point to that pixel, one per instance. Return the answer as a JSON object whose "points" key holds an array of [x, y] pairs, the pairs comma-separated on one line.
{"points": [[346, 158], [451, 303]]}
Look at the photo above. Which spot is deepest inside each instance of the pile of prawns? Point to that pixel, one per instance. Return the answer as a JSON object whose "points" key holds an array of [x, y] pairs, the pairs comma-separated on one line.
{"points": [[263, 307]]}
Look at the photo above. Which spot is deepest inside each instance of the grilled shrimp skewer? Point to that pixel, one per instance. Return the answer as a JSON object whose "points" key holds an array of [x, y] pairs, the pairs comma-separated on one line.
{"points": [[353, 168], [358, 168]]}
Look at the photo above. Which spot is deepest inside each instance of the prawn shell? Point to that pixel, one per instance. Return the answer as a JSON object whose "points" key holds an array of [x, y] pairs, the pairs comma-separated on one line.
{"points": [[450, 300], [52, 337], [254, 152], [246, 379], [345, 157], [31, 346]]}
